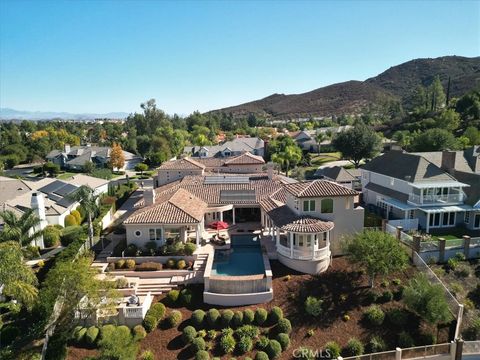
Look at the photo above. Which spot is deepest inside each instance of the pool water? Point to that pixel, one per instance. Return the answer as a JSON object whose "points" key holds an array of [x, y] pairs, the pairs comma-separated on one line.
{"points": [[243, 258]]}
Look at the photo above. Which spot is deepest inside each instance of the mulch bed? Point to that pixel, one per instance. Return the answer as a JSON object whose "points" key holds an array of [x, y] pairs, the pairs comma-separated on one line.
{"points": [[342, 288]]}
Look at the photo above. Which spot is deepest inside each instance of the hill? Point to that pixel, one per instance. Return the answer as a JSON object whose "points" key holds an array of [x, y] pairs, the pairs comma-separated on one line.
{"points": [[12, 114], [353, 97]]}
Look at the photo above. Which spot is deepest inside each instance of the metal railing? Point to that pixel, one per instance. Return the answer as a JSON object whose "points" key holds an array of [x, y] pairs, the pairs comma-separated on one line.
{"points": [[471, 347], [407, 224], [304, 254], [427, 350], [435, 199], [384, 355]]}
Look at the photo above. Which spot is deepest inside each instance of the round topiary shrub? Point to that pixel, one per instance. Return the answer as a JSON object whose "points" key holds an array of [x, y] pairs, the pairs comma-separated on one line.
{"points": [[213, 316], [174, 319], [284, 340], [202, 355], [172, 296], [333, 349], [188, 334], [261, 356], [171, 264], [374, 316], [248, 316], [70, 220], [181, 264], [77, 216], [147, 355], [237, 319], [284, 326], [275, 315], [274, 349], [139, 332], [197, 345], [51, 236], [130, 264], [376, 344], [189, 248], [405, 340], [186, 296], [260, 316], [244, 345], [123, 330], [227, 343], [91, 335], [158, 310], [227, 316], [106, 331], [120, 264], [262, 343], [198, 317], [79, 336], [150, 322], [354, 347]]}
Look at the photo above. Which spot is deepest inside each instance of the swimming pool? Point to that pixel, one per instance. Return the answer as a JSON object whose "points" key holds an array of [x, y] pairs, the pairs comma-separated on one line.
{"points": [[243, 258]]}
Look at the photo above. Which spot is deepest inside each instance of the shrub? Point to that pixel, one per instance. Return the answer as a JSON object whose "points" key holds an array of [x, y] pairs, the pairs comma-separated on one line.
{"points": [[370, 297], [71, 234], [51, 236], [188, 334], [313, 306], [106, 331], [150, 322], [310, 332], [227, 316], [201, 333], [91, 334], [248, 316], [79, 336], [459, 256], [462, 271], [121, 283], [376, 344], [197, 345], [211, 334], [261, 356], [354, 347], [212, 317], [428, 339], [147, 355], [386, 296], [132, 250], [276, 314], [227, 343], [149, 266], [171, 263], [244, 345], [473, 331], [175, 318], [198, 316], [396, 281], [139, 332], [157, 310], [333, 348], [397, 317], [284, 326], [385, 283], [247, 331], [260, 316], [70, 221], [186, 296], [274, 349], [405, 340], [237, 319], [284, 340], [452, 263], [189, 248], [262, 343], [120, 264], [172, 296], [130, 264], [346, 317], [202, 355], [374, 316], [181, 264], [77, 216]]}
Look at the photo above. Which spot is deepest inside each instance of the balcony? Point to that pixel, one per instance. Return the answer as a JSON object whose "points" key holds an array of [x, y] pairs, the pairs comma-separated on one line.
{"points": [[304, 254], [440, 199]]}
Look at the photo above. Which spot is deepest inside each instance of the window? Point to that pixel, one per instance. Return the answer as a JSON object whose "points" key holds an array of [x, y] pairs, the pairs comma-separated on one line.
{"points": [[347, 203], [448, 219], [476, 221], [327, 206], [155, 234], [411, 214], [138, 233], [309, 205], [434, 220], [467, 217]]}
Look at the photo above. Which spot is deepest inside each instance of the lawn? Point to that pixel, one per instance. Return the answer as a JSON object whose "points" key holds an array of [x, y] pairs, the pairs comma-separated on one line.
{"points": [[323, 158], [66, 175], [345, 296]]}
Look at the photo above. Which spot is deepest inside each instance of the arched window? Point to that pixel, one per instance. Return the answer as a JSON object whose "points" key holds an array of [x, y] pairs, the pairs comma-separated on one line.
{"points": [[327, 206]]}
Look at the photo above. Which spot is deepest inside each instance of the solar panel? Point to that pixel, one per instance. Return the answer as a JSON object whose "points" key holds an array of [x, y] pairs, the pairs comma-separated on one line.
{"points": [[237, 195], [65, 190], [227, 180], [54, 197], [65, 202], [52, 187]]}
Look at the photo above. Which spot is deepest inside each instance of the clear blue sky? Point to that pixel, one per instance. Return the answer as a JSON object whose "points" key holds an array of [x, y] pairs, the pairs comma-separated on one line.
{"points": [[101, 56]]}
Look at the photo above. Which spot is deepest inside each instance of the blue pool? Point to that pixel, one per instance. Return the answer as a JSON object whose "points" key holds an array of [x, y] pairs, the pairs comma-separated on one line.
{"points": [[243, 258]]}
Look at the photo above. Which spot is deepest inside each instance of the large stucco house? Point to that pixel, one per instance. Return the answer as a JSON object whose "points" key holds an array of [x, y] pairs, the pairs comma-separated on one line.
{"points": [[237, 146]]}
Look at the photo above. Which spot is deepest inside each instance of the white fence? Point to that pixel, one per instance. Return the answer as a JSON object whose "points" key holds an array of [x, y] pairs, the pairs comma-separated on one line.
{"points": [[442, 351], [406, 224]]}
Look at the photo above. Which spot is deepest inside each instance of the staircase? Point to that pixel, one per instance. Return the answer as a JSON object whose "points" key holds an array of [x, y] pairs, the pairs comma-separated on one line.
{"points": [[200, 263], [155, 286]]}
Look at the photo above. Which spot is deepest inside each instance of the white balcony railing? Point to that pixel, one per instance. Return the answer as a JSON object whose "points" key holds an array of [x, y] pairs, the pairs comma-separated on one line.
{"points": [[435, 199], [304, 254]]}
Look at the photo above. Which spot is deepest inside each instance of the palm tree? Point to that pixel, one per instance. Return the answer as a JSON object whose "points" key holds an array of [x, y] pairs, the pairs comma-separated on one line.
{"points": [[23, 229], [85, 195]]}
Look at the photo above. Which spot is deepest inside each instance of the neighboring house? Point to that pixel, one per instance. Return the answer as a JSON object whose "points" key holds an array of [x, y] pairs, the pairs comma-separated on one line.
{"points": [[255, 146], [408, 187], [307, 220], [346, 177], [75, 157], [306, 140], [173, 170]]}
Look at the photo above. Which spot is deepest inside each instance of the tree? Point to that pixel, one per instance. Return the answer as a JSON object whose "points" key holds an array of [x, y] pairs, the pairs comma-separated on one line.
{"points": [[435, 140], [117, 159], [18, 279], [119, 345], [473, 135], [89, 167], [88, 200], [427, 300], [51, 169], [289, 157], [23, 229], [448, 120], [141, 167], [319, 138], [379, 252], [357, 143]]}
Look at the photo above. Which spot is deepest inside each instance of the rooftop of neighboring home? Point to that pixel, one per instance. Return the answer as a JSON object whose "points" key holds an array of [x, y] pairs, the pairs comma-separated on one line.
{"points": [[338, 174], [189, 163], [85, 152], [240, 144], [467, 160]]}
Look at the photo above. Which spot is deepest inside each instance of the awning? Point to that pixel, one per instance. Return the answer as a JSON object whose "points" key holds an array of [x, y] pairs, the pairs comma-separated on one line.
{"points": [[437, 184], [443, 209], [399, 205]]}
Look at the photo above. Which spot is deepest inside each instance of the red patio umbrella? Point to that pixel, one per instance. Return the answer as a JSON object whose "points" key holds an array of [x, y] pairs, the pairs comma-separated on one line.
{"points": [[219, 225]]}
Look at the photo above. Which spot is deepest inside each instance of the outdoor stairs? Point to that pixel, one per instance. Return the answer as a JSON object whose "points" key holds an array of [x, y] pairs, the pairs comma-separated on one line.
{"points": [[156, 286], [200, 263]]}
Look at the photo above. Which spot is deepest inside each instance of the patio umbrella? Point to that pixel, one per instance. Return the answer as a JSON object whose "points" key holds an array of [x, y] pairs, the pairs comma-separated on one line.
{"points": [[219, 225]]}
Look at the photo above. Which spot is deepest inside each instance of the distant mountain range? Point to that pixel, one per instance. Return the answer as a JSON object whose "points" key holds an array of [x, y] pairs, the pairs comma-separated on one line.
{"points": [[11, 114], [352, 97]]}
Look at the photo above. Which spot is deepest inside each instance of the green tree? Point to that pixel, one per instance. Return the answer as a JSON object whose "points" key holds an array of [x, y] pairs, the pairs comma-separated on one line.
{"points": [[473, 135], [448, 120], [89, 167], [288, 158], [437, 95], [378, 252], [118, 345], [357, 143], [51, 169], [435, 140], [23, 229], [141, 167], [18, 279], [88, 200]]}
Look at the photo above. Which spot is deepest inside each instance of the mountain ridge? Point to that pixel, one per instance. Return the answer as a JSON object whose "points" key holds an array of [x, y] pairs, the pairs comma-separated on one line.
{"points": [[13, 114]]}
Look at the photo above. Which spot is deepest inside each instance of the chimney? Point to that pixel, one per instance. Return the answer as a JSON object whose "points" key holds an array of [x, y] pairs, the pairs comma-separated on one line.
{"points": [[270, 170], [38, 205], [448, 160], [66, 148], [149, 197]]}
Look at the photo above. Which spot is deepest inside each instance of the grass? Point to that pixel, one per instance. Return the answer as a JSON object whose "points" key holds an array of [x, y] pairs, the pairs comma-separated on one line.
{"points": [[66, 175], [323, 158]]}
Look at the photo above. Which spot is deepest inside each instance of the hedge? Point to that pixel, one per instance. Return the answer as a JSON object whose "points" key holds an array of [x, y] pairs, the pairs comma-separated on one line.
{"points": [[91, 335], [80, 335], [51, 236], [77, 216], [149, 266], [70, 220], [106, 331]]}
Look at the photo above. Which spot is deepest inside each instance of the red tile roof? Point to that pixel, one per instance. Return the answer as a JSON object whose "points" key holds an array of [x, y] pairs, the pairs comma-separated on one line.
{"points": [[318, 188]]}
